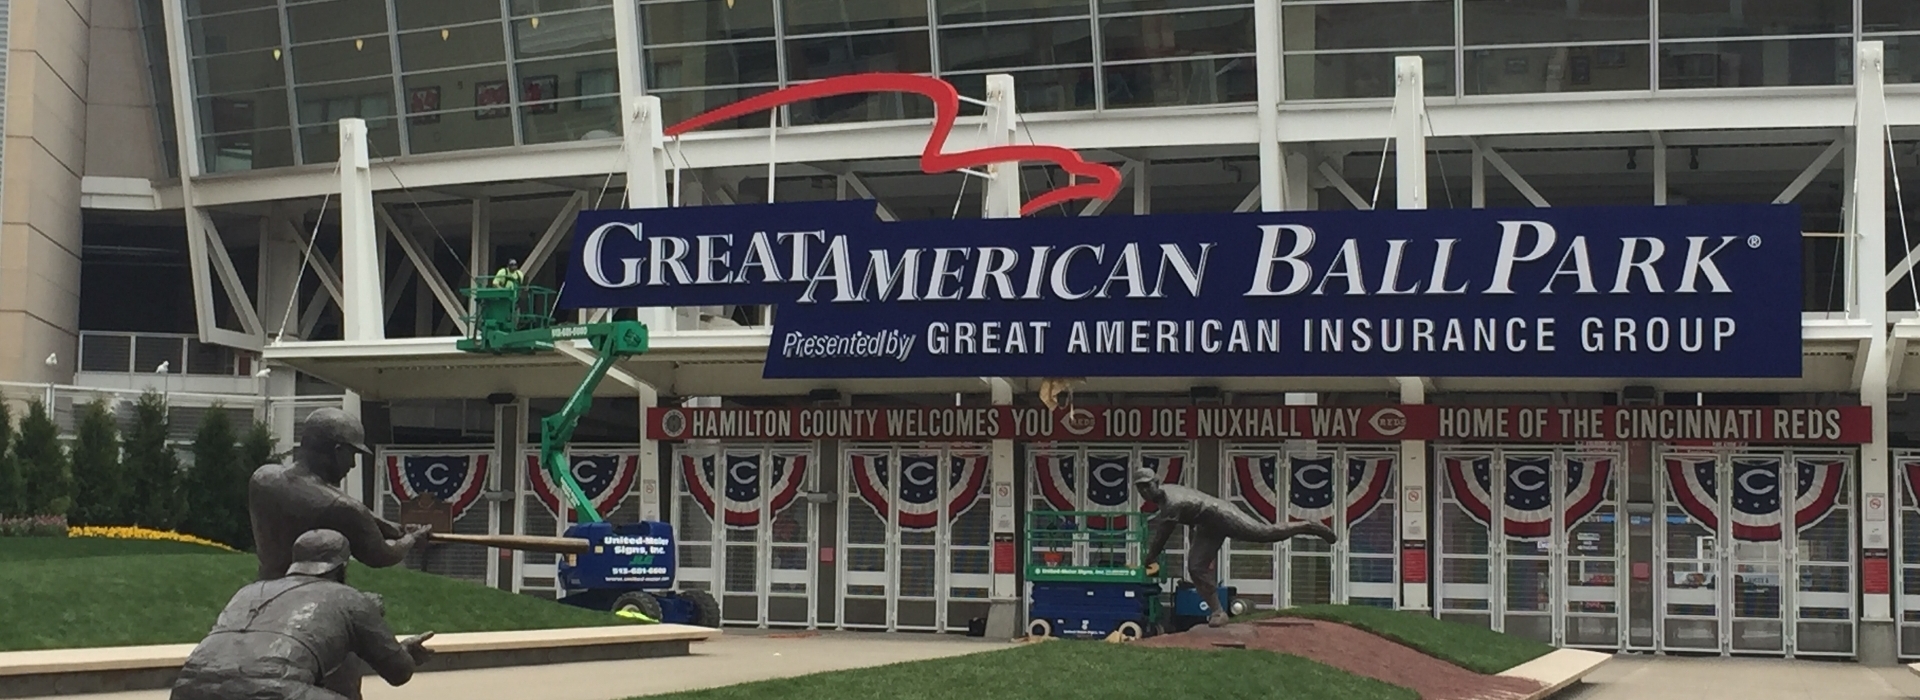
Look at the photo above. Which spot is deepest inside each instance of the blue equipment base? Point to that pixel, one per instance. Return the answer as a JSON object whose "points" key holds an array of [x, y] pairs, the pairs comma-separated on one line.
{"points": [[1093, 610]]}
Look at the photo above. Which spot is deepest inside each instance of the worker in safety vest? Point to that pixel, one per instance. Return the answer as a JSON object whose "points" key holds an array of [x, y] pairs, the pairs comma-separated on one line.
{"points": [[508, 277]]}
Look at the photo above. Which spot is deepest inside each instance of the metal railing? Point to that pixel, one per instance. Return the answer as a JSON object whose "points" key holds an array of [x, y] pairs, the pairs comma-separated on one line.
{"points": [[149, 353]]}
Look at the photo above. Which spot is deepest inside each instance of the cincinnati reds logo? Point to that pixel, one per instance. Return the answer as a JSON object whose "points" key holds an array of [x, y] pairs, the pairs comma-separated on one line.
{"points": [[1087, 180], [1078, 421], [1389, 421]]}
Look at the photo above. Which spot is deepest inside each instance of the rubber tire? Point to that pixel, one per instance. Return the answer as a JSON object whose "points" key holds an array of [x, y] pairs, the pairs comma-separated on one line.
{"points": [[706, 610], [1239, 607], [1040, 628], [641, 602], [1130, 630]]}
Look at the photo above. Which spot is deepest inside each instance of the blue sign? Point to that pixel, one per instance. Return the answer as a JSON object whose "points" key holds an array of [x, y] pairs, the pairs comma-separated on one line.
{"points": [[1647, 292]]}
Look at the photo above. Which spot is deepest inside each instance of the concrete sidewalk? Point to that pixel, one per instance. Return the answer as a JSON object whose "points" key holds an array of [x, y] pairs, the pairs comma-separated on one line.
{"points": [[1631, 677], [735, 657]]}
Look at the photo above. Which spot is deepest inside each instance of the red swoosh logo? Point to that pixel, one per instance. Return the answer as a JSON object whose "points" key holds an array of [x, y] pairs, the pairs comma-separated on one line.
{"points": [[1101, 181]]}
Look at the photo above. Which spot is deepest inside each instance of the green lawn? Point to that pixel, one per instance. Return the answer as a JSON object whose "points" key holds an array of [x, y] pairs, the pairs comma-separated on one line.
{"points": [[1474, 648], [1067, 670], [89, 592]]}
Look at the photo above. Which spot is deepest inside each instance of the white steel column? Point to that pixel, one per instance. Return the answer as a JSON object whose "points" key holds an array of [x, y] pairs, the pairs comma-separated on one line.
{"points": [[480, 243], [1268, 68], [650, 482], [356, 480], [1005, 614], [1410, 178], [278, 274], [1869, 218], [360, 307], [647, 179]]}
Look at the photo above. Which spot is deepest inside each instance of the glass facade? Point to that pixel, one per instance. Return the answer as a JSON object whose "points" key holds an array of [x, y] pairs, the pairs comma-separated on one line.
{"points": [[271, 77]]}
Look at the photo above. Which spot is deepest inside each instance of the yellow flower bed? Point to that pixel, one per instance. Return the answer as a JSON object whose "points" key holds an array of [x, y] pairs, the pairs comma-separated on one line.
{"points": [[141, 533]]}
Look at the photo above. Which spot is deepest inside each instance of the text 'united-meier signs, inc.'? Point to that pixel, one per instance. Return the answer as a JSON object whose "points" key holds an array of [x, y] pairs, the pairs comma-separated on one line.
{"points": [[1697, 291]]}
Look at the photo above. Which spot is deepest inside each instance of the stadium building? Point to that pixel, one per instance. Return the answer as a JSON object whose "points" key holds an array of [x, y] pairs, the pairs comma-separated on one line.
{"points": [[317, 181]]}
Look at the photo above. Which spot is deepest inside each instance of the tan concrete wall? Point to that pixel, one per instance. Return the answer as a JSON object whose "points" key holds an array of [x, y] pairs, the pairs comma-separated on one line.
{"points": [[123, 134], [45, 153]]}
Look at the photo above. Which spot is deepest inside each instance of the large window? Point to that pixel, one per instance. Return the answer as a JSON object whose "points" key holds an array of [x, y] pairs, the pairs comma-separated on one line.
{"points": [[274, 77]]}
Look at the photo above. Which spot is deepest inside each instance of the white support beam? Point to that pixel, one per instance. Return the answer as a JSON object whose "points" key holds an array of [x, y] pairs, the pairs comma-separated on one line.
{"points": [[1340, 183], [1869, 232], [1659, 169], [360, 305], [583, 353], [1268, 71], [402, 274], [646, 168], [237, 295], [1143, 188], [1003, 179], [480, 240], [560, 229], [1479, 178], [1099, 206], [423, 264], [1249, 202], [1819, 165], [1513, 177], [859, 187], [1410, 181], [322, 268], [310, 318]]}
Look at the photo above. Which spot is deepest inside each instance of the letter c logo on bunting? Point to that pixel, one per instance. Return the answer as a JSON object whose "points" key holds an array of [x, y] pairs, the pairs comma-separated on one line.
{"points": [[1078, 421], [1389, 421]]}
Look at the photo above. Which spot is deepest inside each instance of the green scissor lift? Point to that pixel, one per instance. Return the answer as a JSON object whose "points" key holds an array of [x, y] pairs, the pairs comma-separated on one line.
{"points": [[1088, 578]]}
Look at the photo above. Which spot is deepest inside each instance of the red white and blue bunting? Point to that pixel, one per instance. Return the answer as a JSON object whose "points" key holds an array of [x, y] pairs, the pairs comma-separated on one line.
{"points": [[455, 478], [606, 478], [1108, 482], [1311, 485], [1755, 505], [924, 495], [734, 483], [1528, 512]]}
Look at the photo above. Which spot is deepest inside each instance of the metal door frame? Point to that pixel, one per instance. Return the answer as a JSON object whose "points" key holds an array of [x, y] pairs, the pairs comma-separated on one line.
{"points": [[762, 541], [1497, 556], [1905, 603], [525, 501], [1340, 555], [943, 546], [1186, 450], [1787, 559]]}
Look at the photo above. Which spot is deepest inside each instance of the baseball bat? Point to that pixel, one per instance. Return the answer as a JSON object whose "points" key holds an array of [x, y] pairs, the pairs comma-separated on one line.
{"points": [[527, 543]]}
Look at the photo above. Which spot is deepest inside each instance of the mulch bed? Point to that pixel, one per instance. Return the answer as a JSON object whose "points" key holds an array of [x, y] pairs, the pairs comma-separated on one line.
{"points": [[1354, 651]]}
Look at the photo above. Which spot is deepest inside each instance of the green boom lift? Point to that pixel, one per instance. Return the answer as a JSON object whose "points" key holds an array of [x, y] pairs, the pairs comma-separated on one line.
{"points": [[627, 567]]}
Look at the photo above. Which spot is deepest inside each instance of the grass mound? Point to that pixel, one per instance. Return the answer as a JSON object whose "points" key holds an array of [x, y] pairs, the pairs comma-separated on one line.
{"points": [[85, 592], [1072, 669], [1473, 648]]}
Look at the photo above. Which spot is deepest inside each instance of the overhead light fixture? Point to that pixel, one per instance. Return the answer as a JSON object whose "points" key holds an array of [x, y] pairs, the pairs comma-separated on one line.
{"points": [[1631, 163], [535, 21], [444, 33], [276, 54], [359, 44]]}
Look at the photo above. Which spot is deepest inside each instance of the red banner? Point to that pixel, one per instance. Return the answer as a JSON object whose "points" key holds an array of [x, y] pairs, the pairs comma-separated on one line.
{"points": [[1831, 425]]}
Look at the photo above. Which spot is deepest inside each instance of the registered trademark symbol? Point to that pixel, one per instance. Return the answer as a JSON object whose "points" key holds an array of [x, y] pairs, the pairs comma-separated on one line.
{"points": [[1753, 241]]}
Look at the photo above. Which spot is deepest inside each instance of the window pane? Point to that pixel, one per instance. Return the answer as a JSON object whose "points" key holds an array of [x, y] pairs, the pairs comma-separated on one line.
{"points": [[1889, 15], [1903, 58], [232, 33], [553, 35], [1113, 6], [1205, 81], [336, 19], [342, 59], [705, 20], [238, 73], [1556, 69], [1049, 90], [259, 149], [416, 14], [819, 16], [828, 56], [457, 46], [1368, 26], [562, 78], [570, 120], [1018, 45], [1553, 21], [195, 8], [455, 131], [535, 7], [328, 104], [714, 64], [1184, 34], [964, 11], [321, 144], [243, 112], [1756, 63], [680, 106], [484, 86], [1360, 75], [1717, 18]]}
